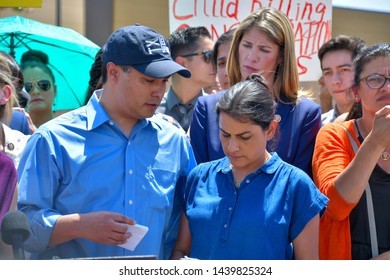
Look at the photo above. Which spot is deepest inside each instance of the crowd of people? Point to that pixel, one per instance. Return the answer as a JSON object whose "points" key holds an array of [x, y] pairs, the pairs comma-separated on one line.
{"points": [[212, 147]]}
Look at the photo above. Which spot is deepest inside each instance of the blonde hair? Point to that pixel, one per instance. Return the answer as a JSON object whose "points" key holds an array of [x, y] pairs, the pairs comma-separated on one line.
{"points": [[6, 79], [277, 26]]}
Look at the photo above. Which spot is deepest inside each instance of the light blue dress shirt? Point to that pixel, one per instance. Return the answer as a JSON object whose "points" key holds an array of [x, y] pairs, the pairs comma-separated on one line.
{"points": [[259, 220], [81, 162], [329, 116]]}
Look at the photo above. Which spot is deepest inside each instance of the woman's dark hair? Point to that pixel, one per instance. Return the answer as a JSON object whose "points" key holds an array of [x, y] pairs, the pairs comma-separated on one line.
{"points": [[365, 56], [355, 112], [95, 76], [34, 58], [249, 100], [225, 37]]}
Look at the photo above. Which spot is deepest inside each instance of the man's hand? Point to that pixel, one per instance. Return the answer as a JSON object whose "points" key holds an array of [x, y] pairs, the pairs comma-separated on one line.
{"points": [[100, 227]]}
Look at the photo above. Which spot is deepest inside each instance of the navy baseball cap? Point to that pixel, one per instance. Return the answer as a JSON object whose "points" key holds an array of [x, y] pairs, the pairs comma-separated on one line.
{"points": [[144, 49]]}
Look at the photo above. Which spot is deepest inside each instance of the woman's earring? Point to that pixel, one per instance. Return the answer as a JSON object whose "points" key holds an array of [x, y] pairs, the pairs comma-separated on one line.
{"points": [[357, 98]]}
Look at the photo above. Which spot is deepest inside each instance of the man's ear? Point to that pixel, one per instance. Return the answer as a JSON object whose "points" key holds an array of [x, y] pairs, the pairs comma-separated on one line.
{"points": [[180, 60], [112, 71]]}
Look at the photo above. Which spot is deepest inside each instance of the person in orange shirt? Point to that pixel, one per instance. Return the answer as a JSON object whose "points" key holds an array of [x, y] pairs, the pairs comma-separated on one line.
{"points": [[356, 180]]}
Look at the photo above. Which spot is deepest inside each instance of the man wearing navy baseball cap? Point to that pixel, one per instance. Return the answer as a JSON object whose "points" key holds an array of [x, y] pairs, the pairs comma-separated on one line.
{"points": [[90, 178], [143, 49]]}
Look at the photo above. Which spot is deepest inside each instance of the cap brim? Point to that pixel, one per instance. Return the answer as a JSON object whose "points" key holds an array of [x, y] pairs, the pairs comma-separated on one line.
{"points": [[162, 69]]}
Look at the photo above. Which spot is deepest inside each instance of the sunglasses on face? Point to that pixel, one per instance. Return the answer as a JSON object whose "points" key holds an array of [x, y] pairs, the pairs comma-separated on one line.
{"points": [[42, 84], [206, 55]]}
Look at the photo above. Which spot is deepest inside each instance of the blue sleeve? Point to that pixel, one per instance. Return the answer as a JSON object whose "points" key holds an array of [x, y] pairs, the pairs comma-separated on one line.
{"points": [[198, 131], [25, 127], [178, 206], [307, 202], [311, 124], [38, 182], [19, 122]]}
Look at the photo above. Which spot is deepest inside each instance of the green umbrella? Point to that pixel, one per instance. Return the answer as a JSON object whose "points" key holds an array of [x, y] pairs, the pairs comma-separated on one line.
{"points": [[71, 55]]}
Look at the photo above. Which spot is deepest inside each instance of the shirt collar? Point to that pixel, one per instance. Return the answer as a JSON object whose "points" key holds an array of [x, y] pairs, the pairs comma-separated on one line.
{"points": [[97, 115], [172, 99], [269, 167]]}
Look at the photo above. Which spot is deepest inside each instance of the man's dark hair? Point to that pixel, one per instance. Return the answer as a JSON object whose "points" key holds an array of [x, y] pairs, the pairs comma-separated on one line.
{"points": [[184, 41], [342, 42]]}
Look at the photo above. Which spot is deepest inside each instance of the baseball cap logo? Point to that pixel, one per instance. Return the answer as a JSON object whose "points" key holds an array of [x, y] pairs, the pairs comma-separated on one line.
{"points": [[156, 45]]}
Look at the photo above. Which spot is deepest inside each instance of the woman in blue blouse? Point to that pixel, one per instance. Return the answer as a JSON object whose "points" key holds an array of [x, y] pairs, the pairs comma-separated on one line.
{"points": [[249, 204], [263, 43]]}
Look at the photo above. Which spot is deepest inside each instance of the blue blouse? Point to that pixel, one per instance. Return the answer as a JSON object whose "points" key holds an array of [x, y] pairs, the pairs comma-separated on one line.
{"points": [[298, 129], [259, 220]]}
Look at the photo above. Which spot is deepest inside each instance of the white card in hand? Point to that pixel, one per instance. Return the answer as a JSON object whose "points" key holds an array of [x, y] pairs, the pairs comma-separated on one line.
{"points": [[138, 232]]}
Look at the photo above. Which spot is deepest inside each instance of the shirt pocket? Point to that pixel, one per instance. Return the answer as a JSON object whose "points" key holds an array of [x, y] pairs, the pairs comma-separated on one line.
{"points": [[161, 188]]}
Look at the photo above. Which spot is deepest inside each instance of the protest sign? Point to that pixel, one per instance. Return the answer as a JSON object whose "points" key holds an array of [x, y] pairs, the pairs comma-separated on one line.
{"points": [[311, 21]]}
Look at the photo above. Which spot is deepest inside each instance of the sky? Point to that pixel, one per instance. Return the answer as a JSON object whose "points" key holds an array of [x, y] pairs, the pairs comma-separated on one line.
{"points": [[382, 6]]}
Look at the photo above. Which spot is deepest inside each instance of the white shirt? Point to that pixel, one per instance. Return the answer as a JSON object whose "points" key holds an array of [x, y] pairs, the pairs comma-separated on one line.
{"points": [[15, 141]]}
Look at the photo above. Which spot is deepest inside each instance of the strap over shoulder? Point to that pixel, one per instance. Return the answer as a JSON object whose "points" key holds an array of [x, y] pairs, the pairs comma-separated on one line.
{"points": [[370, 204], [351, 139]]}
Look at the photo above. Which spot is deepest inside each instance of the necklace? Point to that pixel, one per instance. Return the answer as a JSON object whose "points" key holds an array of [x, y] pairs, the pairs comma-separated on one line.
{"points": [[385, 155]]}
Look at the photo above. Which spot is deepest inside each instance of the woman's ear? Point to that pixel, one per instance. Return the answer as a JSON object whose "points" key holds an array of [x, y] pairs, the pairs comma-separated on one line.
{"points": [[280, 58], [7, 91], [355, 93], [272, 130]]}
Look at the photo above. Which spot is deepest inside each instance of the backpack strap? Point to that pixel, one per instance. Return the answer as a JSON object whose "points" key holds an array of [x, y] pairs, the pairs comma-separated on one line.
{"points": [[370, 205]]}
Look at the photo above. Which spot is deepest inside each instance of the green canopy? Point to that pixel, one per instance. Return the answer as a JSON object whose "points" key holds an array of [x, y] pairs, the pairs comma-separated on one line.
{"points": [[71, 55]]}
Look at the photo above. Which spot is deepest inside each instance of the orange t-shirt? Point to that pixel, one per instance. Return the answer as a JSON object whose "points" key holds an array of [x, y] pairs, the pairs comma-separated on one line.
{"points": [[332, 154]]}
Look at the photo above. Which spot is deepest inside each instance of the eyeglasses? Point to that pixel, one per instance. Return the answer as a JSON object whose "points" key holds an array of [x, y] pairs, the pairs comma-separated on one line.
{"points": [[42, 84], [206, 55], [375, 81]]}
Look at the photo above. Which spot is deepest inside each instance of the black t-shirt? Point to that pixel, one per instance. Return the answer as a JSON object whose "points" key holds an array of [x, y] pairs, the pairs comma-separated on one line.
{"points": [[360, 232]]}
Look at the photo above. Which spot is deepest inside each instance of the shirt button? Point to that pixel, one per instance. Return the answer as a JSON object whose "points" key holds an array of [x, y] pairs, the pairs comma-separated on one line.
{"points": [[225, 225], [247, 181], [130, 171], [230, 208], [130, 202], [111, 122]]}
